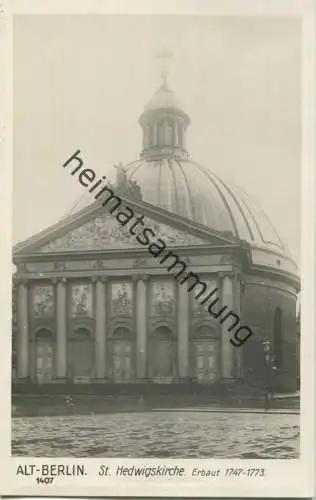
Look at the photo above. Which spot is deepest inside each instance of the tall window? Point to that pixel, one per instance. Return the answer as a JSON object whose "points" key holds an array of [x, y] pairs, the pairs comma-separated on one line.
{"points": [[180, 135], [204, 350], [161, 353], [169, 133], [81, 355], [277, 336], [123, 346], [151, 139], [146, 137], [161, 133]]}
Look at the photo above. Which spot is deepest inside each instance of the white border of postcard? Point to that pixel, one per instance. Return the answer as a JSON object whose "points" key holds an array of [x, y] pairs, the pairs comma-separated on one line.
{"points": [[286, 478]]}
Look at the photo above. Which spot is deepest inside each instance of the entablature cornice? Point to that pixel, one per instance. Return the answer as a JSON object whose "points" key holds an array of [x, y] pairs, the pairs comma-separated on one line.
{"points": [[283, 276], [268, 282], [120, 273], [58, 258]]}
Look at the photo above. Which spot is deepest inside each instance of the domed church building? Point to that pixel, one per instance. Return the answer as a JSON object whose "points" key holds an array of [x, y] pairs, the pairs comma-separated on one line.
{"points": [[204, 292]]}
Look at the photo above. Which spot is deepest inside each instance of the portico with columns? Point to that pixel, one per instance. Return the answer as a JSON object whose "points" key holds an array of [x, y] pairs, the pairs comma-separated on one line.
{"points": [[120, 329]]}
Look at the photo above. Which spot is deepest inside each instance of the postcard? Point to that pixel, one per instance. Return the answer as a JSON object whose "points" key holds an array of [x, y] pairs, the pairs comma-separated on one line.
{"points": [[158, 220]]}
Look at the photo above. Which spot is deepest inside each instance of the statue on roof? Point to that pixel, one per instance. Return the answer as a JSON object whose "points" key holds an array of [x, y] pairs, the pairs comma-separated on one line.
{"points": [[121, 177], [126, 186]]}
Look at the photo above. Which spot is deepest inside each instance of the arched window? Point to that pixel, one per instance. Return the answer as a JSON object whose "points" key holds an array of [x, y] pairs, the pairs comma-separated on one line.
{"points": [[163, 333], [122, 333], [277, 337], [206, 332], [82, 334]]}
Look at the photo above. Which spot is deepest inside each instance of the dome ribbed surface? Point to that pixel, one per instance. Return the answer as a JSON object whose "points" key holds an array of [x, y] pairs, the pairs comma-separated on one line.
{"points": [[186, 188]]}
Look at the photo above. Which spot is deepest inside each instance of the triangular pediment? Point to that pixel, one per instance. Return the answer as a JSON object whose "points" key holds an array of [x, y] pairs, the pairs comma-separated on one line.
{"points": [[94, 229], [104, 232]]}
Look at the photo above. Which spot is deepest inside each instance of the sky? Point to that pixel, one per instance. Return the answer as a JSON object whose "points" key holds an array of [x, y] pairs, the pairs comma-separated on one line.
{"points": [[81, 82]]}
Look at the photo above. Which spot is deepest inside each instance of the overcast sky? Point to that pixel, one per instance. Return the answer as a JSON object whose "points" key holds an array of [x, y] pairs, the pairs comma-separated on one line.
{"points": [[81, 82]]}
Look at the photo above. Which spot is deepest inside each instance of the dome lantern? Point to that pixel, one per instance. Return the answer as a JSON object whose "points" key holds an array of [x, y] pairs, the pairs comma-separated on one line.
{"points": [[163, 121]]}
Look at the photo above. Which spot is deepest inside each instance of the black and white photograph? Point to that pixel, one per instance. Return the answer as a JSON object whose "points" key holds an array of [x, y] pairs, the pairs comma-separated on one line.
{"points": [[157, 251]]}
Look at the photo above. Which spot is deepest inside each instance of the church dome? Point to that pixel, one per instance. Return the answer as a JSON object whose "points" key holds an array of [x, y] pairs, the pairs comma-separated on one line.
{"points": [[170, 179], [186, 188]]}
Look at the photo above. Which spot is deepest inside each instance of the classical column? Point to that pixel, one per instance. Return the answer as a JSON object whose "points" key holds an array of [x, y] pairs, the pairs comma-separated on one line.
{"points": [[183, 331], [100, 329], [226, 335], [238, 352], [23, 337], [141, 327], [61, 329]]}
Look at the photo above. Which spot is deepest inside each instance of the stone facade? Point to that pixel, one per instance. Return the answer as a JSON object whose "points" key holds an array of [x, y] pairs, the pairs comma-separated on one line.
{"points": [[122, 318]]}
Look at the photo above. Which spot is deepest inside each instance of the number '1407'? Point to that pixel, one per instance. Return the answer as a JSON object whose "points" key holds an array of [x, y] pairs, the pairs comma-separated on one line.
{"points": [[44, 480]]}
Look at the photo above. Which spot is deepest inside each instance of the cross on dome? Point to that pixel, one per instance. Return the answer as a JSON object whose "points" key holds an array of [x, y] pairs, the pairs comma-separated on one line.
{"points": [[165, 55]]}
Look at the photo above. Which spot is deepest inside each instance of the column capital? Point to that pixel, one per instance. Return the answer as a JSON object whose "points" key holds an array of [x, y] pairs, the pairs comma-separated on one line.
{"points": [[99, 279], [242, 285], [225, 274], [140, 277], [237, 270], [58, 280], [21, 266], [20, 281]]}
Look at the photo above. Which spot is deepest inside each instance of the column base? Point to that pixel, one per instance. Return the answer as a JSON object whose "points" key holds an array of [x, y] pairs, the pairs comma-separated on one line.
{"points": [[183, 380], [60, 380], [22, 380], [99, 380], [142, 380]]}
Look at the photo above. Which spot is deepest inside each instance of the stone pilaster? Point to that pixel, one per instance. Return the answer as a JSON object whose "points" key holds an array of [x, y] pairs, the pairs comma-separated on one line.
{"points": [[227, 354], [183, 331], [141, 327], [100, 329], [23, 336], [61, 329]]}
